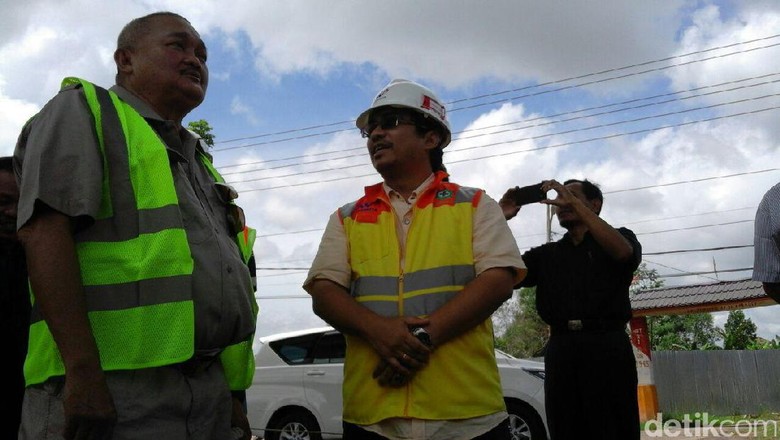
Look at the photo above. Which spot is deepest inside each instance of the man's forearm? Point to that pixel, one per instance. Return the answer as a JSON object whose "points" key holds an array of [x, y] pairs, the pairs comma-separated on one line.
{"points": [[473, 305], [334, 305], [609, 238], [55, 277]]}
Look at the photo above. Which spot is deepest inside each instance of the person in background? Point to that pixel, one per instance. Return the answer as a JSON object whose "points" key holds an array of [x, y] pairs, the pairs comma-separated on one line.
{"points": [[15, 305], [766, 243], [582, 285], [143, 313], [411, 273]]}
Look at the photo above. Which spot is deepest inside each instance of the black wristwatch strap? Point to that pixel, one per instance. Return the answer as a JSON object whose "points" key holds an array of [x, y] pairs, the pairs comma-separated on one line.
{"points": [[422, 335]]}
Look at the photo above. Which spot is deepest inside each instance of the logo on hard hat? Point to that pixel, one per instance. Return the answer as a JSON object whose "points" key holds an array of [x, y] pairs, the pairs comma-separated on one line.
{"points": [[381, 95], [434, 106]]}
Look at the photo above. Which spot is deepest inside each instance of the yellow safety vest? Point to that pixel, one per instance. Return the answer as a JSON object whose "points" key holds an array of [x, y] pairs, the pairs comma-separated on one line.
{"points": [[461, 380]]}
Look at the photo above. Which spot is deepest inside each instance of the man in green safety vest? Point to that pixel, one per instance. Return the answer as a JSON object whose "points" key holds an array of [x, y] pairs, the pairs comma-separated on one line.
{"points": [[143, 307]]}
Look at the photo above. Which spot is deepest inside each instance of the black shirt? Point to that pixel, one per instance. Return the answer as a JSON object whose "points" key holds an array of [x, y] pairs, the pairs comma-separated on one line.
{"points": [[15, 307], [582, 281]]}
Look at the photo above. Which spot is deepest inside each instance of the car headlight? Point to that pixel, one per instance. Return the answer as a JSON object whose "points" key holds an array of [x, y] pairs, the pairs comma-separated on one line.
{"points": [[535, 372]]}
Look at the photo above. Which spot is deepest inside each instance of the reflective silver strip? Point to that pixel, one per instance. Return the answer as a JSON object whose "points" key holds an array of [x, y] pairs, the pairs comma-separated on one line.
{"points": [[127, 227], [370, 286], [382, 308], [414, 281], [465, 194], [346, 210], [379, 294], [118, 160], [129, 295], [428, 303], [438, 277]]}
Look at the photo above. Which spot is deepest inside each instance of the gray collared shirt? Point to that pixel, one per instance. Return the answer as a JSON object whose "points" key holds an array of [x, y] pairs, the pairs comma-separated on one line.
{"points": [[58, 163]]}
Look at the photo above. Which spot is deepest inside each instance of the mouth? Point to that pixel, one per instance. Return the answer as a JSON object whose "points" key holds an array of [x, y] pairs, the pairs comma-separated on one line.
{"points": [[193, 75], [379, 147]]}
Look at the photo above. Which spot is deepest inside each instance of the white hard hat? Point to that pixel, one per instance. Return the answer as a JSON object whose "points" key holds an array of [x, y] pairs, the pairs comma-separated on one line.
{"points": [[409, 94]]}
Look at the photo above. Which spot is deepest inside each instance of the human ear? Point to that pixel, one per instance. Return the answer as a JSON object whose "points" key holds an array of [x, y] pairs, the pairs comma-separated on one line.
{"points": [[432, 139], [124, 60], [596, 203]]}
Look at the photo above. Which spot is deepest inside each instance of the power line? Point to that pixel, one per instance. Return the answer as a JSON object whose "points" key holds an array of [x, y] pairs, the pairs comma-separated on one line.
{"points": [[684, 251], [694, 227], [303, 231], [705, 272], [689, 215], [562, 144], [646, 63], [684, 273], [703, 179], [544, 117]]}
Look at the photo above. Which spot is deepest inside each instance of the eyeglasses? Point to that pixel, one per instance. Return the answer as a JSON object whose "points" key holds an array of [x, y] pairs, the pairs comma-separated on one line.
{"points": [[386, 121]]}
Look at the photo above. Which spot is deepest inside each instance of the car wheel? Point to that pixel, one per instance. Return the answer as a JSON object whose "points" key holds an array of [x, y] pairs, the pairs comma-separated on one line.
{"points": [[524, 423], [294, 425]]}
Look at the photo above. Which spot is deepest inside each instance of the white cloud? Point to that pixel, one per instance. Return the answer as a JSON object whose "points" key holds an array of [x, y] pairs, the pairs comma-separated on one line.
{"points": [[459, 47]]}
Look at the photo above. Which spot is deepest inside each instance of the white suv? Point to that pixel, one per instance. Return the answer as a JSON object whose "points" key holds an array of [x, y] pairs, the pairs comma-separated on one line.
{"points": [[296, 392]]}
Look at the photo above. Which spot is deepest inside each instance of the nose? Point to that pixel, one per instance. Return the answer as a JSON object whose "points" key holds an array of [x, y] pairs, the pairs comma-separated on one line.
{"points": [[193, 60], [8, 209], [377, 133]]}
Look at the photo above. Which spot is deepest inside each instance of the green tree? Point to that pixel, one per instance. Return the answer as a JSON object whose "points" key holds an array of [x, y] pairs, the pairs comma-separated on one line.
{"points": [[527, 334], [739, 332], [765, 344], [644, 279], [203, 129], [682, 332]]}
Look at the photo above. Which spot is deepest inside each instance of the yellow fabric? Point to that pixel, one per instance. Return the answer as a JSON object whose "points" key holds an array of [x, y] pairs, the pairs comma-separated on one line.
{"points": [[461, 380]]}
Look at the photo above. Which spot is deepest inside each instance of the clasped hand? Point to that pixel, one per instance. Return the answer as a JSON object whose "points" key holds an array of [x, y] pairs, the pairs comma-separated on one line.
{"points": [[401, 353]]}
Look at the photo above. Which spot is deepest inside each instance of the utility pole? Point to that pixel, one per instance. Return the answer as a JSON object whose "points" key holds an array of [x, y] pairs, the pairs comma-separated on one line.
{"points": [[549, 223]]}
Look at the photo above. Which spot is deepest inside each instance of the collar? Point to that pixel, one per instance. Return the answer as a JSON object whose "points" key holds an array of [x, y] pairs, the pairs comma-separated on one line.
{"points": [[137, 103], [147, 113], [419, 190]]}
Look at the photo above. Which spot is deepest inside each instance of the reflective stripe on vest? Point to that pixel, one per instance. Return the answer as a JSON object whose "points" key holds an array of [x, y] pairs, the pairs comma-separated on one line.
{"points": [[135, 260], [461, 379]]}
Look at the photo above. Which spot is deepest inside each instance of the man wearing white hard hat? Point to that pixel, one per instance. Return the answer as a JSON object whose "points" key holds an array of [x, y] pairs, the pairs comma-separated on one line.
{"points": [[411, 273]]}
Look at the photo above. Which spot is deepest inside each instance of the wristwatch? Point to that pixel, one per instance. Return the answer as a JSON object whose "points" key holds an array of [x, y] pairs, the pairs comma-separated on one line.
{"points": [[422, 335]]}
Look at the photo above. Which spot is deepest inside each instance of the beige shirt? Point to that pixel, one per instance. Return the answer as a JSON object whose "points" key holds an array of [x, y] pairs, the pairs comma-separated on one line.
{"points": [[493, 246]]}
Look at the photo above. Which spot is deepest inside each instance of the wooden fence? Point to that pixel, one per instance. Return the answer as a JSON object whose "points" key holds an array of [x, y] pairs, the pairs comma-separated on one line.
{"points": [[719, 382]]}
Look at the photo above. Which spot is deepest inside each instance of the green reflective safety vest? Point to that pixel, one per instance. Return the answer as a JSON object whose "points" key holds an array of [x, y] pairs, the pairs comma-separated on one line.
{"points": [[135, 261], [461, 379]]}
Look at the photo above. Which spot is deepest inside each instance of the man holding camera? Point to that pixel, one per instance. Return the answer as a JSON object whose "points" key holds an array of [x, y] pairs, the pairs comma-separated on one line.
{"points": [[411, 273], [582, 285]]}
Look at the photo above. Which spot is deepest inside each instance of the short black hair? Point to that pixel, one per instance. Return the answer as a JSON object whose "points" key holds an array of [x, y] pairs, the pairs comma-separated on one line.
{"points": [[132, 31], [7, 164], [590, 189]]}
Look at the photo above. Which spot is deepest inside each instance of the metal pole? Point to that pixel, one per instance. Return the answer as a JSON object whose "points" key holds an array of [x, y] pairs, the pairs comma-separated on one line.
{"points": [[549, 223]]}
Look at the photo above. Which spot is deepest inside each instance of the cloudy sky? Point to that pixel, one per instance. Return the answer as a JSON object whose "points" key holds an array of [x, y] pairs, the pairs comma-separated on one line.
{"points": [[669, 105]]}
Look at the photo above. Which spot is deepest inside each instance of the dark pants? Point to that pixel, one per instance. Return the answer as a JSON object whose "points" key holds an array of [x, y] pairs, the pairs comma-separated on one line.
{"points": [[355, 432], [590, 386]]}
